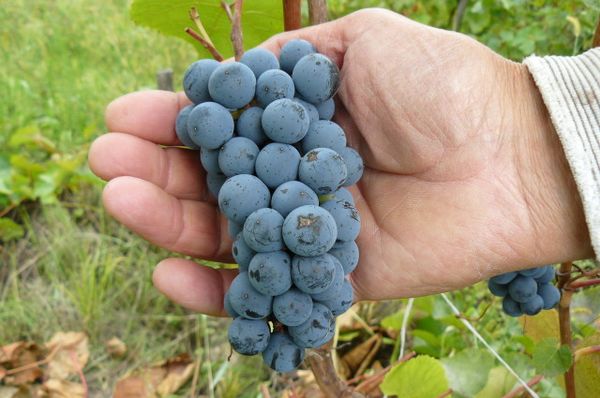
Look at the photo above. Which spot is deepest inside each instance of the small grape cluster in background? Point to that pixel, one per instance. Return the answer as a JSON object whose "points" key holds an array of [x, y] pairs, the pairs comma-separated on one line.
{"points": [[526, 292], [278, 165]]}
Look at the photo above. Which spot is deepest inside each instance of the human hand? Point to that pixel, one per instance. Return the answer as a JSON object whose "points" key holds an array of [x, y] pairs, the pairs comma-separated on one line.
{"points": [[465, 177]]}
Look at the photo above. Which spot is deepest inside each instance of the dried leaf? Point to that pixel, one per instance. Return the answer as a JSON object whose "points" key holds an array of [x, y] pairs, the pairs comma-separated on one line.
{"points": [[2, 373], [19, 355], [8, 392], [115, 347], [179, 371], [72, 353], [55, 388], [364, 351]]}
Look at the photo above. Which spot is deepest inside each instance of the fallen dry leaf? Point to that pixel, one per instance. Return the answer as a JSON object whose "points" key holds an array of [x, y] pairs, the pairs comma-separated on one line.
{"points": [[115, 347], [158, 380], [72, 353], [55, 388], [8, 392], [2, 373], [360, 356], [21, 355]]}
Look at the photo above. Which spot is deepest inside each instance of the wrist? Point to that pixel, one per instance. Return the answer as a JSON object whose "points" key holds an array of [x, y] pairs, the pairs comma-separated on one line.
{"points": [[547, 183]]}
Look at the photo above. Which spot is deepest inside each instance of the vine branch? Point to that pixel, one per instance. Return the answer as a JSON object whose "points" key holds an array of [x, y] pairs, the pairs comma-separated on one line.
{"points": [[317, 11], [564, 319], [292, 17], [211, 49], [514, 393], [321, 364]]}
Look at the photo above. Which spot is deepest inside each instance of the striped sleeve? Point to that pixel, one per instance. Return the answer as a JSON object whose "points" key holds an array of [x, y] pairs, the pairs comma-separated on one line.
{"points": [[570, 87]]}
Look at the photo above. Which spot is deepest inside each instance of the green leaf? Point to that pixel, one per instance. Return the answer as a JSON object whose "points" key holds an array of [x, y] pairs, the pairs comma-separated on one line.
{"points": [[260, 20], [422, 377], [10, 230], [551, 359], [468, 370], [499, 383]]}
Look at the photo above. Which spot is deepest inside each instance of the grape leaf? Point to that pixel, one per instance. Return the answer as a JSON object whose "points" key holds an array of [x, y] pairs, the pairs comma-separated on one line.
{"points": [[542, 326], [260, 20], [498, 384], [10, 230], [587, 370], [468, 370], [422, 377], [551, 359]]}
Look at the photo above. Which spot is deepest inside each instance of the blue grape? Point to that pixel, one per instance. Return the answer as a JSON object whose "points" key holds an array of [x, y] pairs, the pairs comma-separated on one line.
{"points": [[248, 336], [344, 194], [497, 289], [323, 170], [347, 253], [291, 195], [314, 329], [326, 109], [550, 294], [238, 156], [504, 279], [535, 273], [210, 125], [547, 276], [328, 336], [293, 307], [522, 288], [285, 120], [316, 78], [195, 80], [341, 302], [511, 307], [242, 253], [336, 286], [181, 127], [210, 160], [259, 60], [249, 125], [532, 306], [227, 306], [215, 182], [277, 163], [272, 85], [309, 231], [313, 274], [270, 273], [247, 301], [354, 165], [233, 229], [313, 113], [232, 85], [347, 219], [324, 134], [292, 51], [262, 230], [241, 195], [282, 354]]}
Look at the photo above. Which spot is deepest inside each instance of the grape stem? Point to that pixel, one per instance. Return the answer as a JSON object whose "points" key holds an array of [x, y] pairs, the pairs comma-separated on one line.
{"points": [[235, 17], [321, 364], [211, 49], [564, 320], [195, 16]]}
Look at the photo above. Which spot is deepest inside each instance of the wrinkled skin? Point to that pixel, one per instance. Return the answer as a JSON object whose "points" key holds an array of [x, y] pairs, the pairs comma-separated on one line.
{"points": [[465, 177]]}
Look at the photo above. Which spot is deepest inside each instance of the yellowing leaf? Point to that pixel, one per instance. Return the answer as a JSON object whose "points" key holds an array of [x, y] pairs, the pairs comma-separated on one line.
{"points": [[542, 326], [587, 370], [421, 377]]}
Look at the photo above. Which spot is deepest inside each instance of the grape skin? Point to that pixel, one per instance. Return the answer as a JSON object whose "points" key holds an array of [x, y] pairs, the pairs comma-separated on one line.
{"points": [[323, 170], [232, 85], [247, 301], [272, 85], [249, 125], [347, 253], [532, 306], [316, 78], [511, 307], [277, 163], [309, 231], [282, 354], [259, 60], [238, 156], [291, 195], [195, 80], [262, 230], [522, 288], [227, 306], [210, 125], [313, 274], [550, 294], [535, 273], [233, 229], [344, 194], [326, 109], [292, 51], [285, 121], [270, 273], [341, 302], [336, 285], [347, 219], [313, 113], [325, 134], [293, 307], [548, 276], [314, 329], [504, 279], [242, 253], [496, 289], [241, 195], [181, 127], [354, 165], [209, 158], [214, 183], [247, 336]]}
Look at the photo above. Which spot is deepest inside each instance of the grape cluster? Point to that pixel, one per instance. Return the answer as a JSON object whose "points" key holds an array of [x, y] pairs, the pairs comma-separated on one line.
{"points": [[526, 292], [278, 166]]}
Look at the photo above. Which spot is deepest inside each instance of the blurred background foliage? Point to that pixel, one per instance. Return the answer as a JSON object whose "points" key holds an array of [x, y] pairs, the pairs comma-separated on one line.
{"points": [[65, 265]]}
